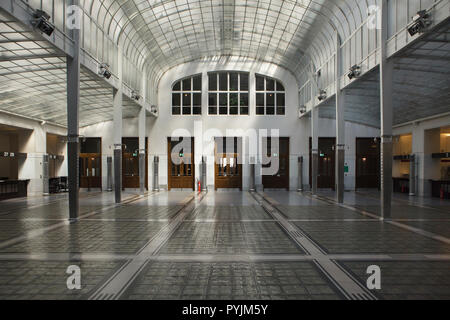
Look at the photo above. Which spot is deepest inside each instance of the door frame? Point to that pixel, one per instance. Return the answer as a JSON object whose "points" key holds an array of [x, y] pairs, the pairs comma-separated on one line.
{"points": [[288, 167], [218, 184], [333, 184], [146, 164], [89, 157], [169, 163], [378, 165]]}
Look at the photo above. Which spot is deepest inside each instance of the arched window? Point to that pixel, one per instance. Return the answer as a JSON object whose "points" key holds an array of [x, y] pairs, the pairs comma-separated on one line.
{"points": [[187, 96], [228, 93], [270, 96]]}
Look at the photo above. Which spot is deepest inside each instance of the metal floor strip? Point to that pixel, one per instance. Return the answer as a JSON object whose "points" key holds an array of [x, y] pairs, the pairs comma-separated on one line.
{"points": [[115, 286], [343, 281], [393, 222]]}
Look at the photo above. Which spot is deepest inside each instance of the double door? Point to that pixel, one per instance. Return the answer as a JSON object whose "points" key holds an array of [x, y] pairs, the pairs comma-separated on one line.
{"points": [[367, 163], [181, 163], [276, 166], [90, 170], [130, 163], [228, 163], [326, 172]]}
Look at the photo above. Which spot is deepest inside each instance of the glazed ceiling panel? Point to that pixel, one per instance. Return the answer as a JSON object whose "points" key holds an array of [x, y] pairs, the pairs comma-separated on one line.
{"points": [[168, 33]]}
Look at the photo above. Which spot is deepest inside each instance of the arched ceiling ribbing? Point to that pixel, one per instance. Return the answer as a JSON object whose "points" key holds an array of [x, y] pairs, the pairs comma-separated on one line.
{"points": [[161, 33]]}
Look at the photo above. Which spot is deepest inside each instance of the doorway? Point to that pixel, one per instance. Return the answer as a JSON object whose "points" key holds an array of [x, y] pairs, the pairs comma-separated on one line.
{"points": [[130, 163], [326, 178], [90, 161], [228, 163], [367, 163], [181, 169], [278, 150]]}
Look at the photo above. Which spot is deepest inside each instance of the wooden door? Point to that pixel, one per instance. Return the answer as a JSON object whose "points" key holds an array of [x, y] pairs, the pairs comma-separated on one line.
{"points": [[278, 152], [130, 163], [90, 170], [368, 163], [228, 163], [181, 168], [326, 173]]}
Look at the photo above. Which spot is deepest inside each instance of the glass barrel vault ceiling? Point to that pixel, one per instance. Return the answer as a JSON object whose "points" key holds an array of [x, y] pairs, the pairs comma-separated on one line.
{"points": [[33, 81]]}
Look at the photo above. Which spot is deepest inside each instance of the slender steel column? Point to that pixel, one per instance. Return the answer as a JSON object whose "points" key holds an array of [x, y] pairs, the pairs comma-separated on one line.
{"points": [[46, 173], [386, 82], [315, 148], [156, 173], [412, 175], [252, 185], [73, 107], [117, 126], [142, 134], [109, 177], [203, 177], [142, 149], [340, 124], [300, 174]]}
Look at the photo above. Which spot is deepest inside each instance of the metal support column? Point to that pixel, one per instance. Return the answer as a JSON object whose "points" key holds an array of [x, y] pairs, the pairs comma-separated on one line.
{"points": [[386, 82], [73, 104], [203, 174], [252, 184], [142, 134], [46, 174], [412, 175], [340, 124], [315, 149], [109, 178], [300, 174], [156, 173], [117, 127]]}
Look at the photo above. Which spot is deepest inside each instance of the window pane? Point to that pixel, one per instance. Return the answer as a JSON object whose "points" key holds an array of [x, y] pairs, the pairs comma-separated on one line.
{"points": [[259, 110], [244, 99], [244, 81], [270, 85], [280, 87], [176, 110], [176, 99], [197, 83], [187, 84], [280, 100], [186, 110], [186, 99], [212, 78], [270, 110], [234, 81], [197, 99], [197, 110], [244, 110], [212, 100], [270, 102], [177, 86], [223, 99], [260, 99], [212, 110], [233, 99], [223, 81], [281, 111], [259, 83], [233, 110], [223, 110]]}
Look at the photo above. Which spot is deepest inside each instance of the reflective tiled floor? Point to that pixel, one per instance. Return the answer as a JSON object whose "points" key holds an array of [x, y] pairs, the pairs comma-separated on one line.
{"points": [[225, 245]]}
